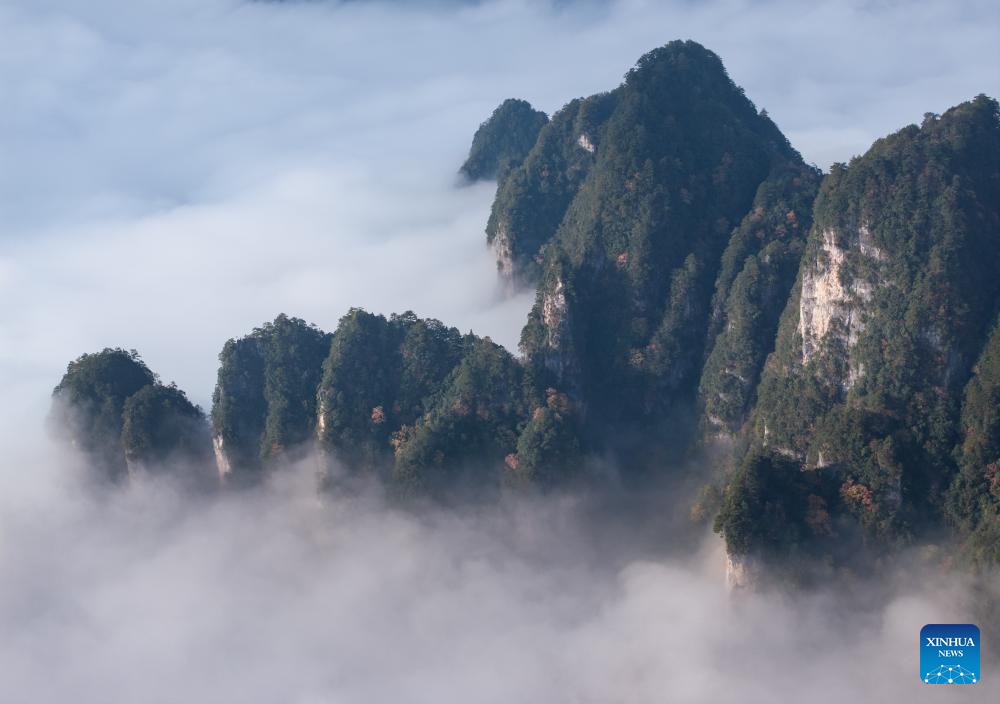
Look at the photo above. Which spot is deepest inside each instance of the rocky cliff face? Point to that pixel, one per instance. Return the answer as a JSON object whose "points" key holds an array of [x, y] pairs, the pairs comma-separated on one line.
{"points": [[755, 278], [625, 208], [533, 198], [743, 572], [896, 295], [828, 305], [833, 301]]}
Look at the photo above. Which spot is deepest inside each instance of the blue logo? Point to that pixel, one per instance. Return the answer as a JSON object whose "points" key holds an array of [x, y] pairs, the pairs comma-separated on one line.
{"points": [[949, 653]]}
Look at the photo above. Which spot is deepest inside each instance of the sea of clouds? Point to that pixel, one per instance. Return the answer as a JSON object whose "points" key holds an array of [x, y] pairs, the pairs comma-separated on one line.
{"points": [[174, 173]]}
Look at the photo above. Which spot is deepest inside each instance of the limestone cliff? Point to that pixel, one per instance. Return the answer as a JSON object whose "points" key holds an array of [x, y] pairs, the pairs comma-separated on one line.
{"points": [[628, 203], [896, 294]]}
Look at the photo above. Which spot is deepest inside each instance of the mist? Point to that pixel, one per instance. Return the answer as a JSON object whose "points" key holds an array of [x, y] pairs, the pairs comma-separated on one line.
{"points": [[149, 594], [174, 174]]}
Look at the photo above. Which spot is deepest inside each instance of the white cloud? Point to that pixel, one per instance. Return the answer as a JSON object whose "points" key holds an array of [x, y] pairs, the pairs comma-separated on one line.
{"points": [[269, 596], [174, 174]]}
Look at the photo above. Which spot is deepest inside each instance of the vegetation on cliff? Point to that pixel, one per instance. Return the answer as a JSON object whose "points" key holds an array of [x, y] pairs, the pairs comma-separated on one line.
{"points": [[840, 333], [896, 294], [265, 398], [112, 408], [502, 142], [658, 200]]}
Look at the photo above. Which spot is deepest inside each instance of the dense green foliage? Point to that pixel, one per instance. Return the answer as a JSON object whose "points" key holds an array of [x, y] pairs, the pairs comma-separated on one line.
{"points": [[377, 378], [502, 142], [842, 332], [90, 400], [265, 399], [470, 426], [766, 507], [632, 211], [756, 275], [532, 200], [901, 268], [112, 408], [435, 411], [974, 497], [549, 448], [161, 425], [406, 399]]}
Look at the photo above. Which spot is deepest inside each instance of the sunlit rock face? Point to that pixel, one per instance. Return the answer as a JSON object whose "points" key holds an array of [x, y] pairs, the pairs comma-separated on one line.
{"points": [[222, 464], [743, 573], [623, 214], [833, 303], [896, 297], [504, 252]]}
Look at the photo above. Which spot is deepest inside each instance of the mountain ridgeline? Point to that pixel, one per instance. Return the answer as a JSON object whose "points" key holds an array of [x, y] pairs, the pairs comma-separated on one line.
{"points": [[826, 347], [662, 224]]}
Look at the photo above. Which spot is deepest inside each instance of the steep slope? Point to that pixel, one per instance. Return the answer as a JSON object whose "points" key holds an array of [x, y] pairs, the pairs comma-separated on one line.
{"points": [[895, 295], [405, 399], [643, 206], [843, 332], [264, 404], [973, 504], [502, 142], [757, 272], [111, 407], [532, 200]]}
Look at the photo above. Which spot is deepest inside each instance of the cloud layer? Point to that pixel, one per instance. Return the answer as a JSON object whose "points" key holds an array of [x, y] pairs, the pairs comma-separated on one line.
{"points": [[271, 596], [174, 174]]}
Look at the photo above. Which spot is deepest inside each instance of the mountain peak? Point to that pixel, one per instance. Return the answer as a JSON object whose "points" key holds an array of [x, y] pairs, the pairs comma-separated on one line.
{"points": [[502, 142]]}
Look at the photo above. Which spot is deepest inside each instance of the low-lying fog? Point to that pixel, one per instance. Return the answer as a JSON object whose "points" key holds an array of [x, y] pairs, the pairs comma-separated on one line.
{"points": [[148, 595]]}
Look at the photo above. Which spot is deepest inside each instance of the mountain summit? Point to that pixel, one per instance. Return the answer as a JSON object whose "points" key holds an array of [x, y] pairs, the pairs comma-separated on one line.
{"points": [[637, 213]]}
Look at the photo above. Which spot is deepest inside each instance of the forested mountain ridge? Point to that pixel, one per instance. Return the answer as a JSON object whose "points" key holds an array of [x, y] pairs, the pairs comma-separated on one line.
{"points": [[666, 190], [696, 283], [895, 301], [265, 397]]}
